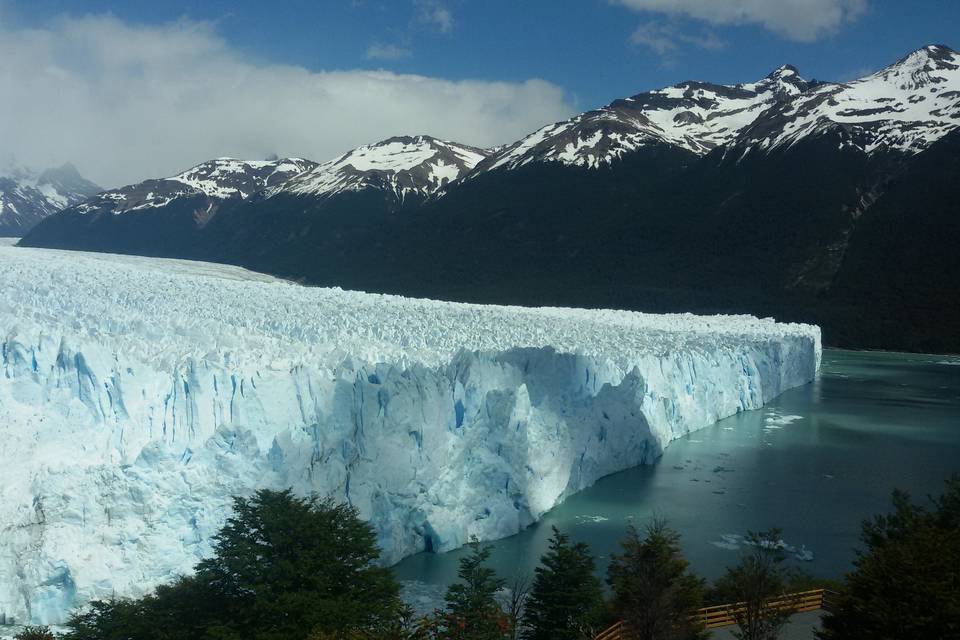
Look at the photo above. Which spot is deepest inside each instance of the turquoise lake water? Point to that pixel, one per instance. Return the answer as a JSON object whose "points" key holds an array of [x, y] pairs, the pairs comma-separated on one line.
{"points": [[814, 462]]}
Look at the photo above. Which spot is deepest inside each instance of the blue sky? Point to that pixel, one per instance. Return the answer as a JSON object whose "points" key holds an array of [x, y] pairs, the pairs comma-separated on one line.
{"points": [[583, 46], [294, 76]]}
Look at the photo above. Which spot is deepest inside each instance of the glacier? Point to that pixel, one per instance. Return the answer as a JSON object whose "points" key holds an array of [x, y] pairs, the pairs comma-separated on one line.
{"points": [[139, 394]]}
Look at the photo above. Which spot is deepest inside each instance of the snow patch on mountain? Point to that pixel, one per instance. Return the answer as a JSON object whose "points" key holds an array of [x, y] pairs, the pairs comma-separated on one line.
{"points": [[212, 182], [27, 197], [695, 116], [139, 394], [906, 107], [403, 166]]}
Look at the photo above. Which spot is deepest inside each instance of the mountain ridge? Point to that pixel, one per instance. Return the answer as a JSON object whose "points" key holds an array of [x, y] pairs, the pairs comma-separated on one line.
{"points": [[697, 197], [27, 197]]}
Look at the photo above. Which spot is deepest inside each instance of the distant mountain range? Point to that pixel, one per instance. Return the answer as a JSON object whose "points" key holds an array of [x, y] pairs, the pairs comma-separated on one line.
{"points": [[26, 197], [834, 203]]}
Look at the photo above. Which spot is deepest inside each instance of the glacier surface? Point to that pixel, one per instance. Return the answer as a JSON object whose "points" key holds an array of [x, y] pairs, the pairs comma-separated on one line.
{"points": [[138, 395]]}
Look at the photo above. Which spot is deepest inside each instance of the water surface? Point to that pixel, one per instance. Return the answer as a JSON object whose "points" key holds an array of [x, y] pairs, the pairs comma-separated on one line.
{"points": [[815, 462]]}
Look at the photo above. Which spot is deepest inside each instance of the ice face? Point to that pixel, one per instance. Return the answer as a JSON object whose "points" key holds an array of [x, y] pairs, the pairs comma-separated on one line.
{"points": [[138, 395]]}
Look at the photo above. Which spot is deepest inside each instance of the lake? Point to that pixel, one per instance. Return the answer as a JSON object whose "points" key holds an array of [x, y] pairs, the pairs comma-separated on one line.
{"points": [[814, 462]]}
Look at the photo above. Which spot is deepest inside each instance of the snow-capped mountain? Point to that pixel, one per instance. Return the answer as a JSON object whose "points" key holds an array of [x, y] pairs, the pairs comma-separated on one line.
{"points": [[211, 182], [403, 166], [905, 107], [696, 116], [701, 185], [26, 197]]}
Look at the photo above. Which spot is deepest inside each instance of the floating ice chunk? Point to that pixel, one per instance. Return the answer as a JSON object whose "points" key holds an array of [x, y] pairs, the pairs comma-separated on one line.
{"points": [[592, 519], [729, 541]]}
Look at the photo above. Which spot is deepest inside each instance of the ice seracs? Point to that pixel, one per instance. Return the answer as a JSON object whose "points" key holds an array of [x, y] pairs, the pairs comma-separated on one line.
{"points": [[137, 395]]}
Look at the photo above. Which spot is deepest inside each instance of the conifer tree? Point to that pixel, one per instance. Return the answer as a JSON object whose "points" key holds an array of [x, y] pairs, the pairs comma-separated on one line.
{"points": [[760, 577], [654, 592], [283, 568], [473, 612], [566, 600], [35, 633], [906, 581]]}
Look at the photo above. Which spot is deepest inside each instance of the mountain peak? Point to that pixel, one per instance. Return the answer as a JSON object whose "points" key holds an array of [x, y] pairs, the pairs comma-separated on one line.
{"points": [[694, 116], [66, 172], [783, 71], [65, 186], [932, 64], [230, 177], [785, 79], [403, 165], [930, 53], [26, 198], [406, 139], [938, 51]]}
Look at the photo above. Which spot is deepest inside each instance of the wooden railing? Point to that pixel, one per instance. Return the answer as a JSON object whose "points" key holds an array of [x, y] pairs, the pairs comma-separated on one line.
{"points": [[725, 615], [615, 632]]}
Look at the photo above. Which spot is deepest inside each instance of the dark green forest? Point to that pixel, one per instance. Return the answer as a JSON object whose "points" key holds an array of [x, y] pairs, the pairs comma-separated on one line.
{"points": [[291, 568]]}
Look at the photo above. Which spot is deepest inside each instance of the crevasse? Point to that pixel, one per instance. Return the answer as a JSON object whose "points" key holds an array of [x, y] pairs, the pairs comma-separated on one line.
{"points": [[138, 395]]}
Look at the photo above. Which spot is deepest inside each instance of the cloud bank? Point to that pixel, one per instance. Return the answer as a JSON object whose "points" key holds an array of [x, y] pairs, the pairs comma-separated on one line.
{"points": [[799, 20], [124, 102]]}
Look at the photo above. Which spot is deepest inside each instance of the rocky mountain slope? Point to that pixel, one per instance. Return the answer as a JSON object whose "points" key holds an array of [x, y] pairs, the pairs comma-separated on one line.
{"points": [[27, 198], [406, 167], [163, 216], [906, 106], [698, 197], [694, 116], [210, 183]]}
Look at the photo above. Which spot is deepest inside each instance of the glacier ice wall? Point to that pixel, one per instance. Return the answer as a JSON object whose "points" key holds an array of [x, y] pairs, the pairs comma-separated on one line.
{"points": [[137, 395]]}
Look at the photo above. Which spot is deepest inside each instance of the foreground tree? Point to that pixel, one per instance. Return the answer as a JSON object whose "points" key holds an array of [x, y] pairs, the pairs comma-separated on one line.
{"points": [[283, 567], [404, 627], [473, 612], [906, 583], [517, 605], [566, 601], [35, 633], [654, 591], [760, 578]]}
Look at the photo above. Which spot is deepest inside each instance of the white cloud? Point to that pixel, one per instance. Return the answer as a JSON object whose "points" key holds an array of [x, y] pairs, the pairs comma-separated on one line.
{"points": [[381, 51], [125, 102], [435, 14], [665, 39], [800, 20]]}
